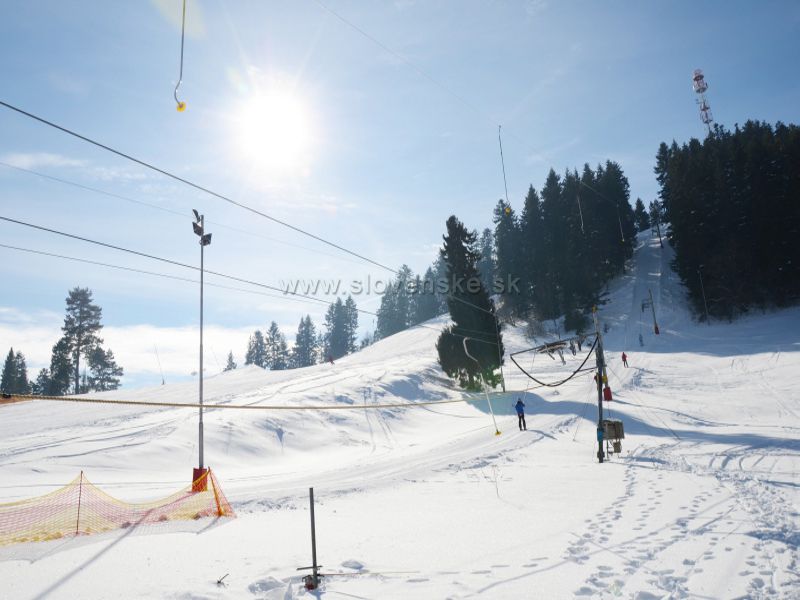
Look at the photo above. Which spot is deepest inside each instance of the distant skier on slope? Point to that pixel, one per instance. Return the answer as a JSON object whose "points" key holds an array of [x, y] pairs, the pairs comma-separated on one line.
{"points": [[520, 407], [625, 360]]}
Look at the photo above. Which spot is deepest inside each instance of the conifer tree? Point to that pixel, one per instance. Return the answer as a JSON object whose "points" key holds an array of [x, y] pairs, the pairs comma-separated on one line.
{"points": [[387, 313], [41, 386], [81, 326], [230, 365], [553, 241], [486, 263], [23, 385], [731, 201], [441, 285], [277, 358], [507, 243], [341, 328], [304, 352], [336, 331], [8, 380], [641, 216], [61, 368], [256, 351], [351, 324], [471, 311], [104, 372], [397, 310], [531, 250], [426, 305]]}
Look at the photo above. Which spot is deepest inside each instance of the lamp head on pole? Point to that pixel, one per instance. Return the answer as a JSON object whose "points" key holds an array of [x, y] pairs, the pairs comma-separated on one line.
{"points": [[199, 229]]}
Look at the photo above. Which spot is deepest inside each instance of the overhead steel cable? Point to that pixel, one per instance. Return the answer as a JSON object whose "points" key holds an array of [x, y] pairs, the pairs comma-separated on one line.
{"points": [[216, 195], [15, 398], [167, 210], [152, 273], [555, 383], [194, 185], [194, 268]]}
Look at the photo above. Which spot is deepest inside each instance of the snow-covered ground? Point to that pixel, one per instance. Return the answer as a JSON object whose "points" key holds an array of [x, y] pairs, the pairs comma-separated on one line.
{"points": [[427, 502]]}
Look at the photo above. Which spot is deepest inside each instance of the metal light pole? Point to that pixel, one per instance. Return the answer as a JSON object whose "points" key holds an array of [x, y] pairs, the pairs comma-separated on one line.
{"points": [[703, 289], [600, 373], [205, 240], [653, 308]]}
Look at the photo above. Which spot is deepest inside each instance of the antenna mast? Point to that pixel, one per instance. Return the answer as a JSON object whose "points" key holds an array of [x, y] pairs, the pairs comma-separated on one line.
{"points": [[700, 87]]}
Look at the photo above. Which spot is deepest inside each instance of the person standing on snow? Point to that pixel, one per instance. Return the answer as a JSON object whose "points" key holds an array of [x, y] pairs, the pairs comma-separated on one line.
{"points": [[625, 360], [520, 407]]}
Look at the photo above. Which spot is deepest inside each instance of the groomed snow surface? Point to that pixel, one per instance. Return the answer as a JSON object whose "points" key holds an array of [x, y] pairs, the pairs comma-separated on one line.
{"points": [[427, 502]]}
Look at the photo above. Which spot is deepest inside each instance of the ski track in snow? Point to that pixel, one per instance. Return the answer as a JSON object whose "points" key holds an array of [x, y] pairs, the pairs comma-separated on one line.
{"points": [[426, 502]]}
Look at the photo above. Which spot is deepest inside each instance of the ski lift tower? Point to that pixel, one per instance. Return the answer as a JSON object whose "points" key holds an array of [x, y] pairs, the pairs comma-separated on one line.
{"points": [[700, 87]]}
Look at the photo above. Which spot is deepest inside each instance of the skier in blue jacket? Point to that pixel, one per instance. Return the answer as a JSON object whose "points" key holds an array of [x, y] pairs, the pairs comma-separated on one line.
{"points": [[520, 406]]}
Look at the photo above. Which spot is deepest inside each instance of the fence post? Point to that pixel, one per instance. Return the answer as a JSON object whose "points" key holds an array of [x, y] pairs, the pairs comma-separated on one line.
{"points": [[80, 493]]}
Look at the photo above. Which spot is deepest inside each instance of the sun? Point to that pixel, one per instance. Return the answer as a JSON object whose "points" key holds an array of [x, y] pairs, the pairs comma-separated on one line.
{"points": [[274, 131]]}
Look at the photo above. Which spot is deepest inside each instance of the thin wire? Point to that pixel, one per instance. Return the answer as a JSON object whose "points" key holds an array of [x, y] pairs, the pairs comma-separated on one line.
{"points": [[284, 292], [168, 210], [153, 273], [502, 162], [218, 195], [180, 75], [193, 185], [15, 398], [165, 260], [556, 383]]}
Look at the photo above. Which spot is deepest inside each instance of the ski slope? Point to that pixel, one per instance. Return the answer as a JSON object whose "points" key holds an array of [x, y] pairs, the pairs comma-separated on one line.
{"points": [[426, 502]]}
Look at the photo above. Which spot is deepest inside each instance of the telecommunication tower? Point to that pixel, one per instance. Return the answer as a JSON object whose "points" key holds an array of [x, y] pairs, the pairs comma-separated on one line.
{"points": [[700, 86]]}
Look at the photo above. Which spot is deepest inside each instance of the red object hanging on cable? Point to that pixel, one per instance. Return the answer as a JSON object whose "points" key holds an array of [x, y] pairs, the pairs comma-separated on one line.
{"points": [[607, 394]]}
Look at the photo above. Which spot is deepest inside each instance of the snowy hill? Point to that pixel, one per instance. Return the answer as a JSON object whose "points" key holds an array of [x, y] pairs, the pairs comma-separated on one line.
{"points": [[703, 501]]}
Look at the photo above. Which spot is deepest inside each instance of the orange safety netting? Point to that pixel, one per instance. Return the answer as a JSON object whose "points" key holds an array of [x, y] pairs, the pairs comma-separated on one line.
{"points": [[81, 508]]}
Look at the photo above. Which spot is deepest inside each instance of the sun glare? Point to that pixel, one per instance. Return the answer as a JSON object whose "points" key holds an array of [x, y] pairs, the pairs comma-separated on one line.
{"points": [[274, 132]]}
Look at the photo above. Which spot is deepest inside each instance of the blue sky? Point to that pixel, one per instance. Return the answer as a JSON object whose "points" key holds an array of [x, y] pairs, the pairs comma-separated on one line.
{"points": [[373, 149]]}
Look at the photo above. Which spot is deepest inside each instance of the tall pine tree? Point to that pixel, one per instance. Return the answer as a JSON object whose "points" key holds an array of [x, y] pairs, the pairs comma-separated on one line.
{"points": [[8, 380], [81, 326], [104, 372], [471, 311], [304, 352], [277, 352], [256, 350]]}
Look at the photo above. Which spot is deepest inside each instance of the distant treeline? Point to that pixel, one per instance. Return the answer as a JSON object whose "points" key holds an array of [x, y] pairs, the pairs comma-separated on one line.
{"points": [[339, 338], [565, 244], [552, 258], [733, 202]]}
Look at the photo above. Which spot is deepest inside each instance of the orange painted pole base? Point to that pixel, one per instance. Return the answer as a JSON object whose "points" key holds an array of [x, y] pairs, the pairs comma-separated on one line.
{"points": [[199, 480]]}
